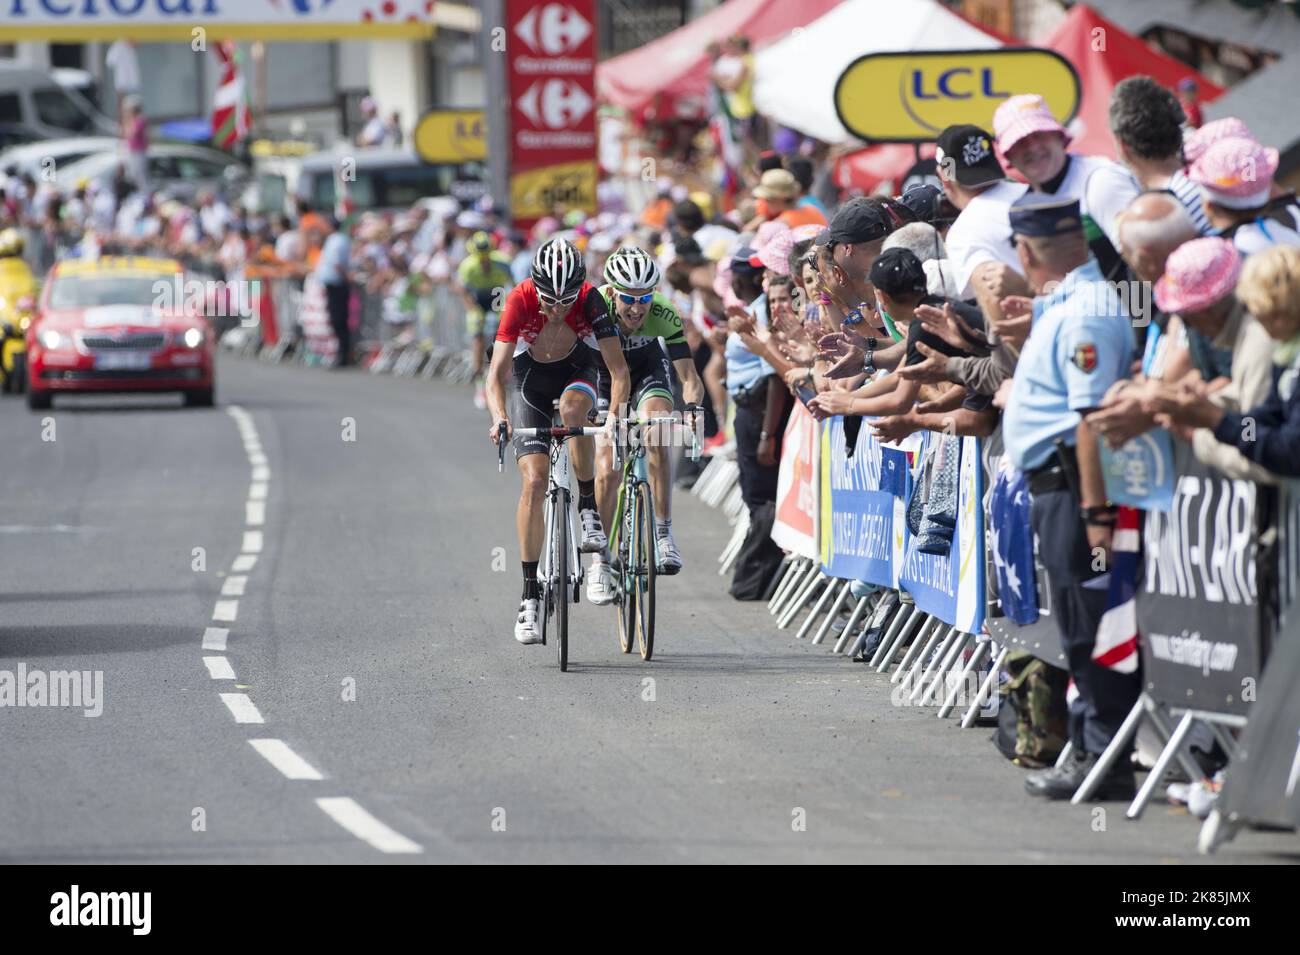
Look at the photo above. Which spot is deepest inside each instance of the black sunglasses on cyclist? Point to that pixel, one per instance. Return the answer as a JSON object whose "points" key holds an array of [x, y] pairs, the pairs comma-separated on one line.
{"points": [[636, 299], [550, 302]]}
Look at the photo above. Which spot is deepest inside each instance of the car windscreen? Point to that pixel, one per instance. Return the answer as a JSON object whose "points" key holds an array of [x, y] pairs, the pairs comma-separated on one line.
{"points": [[108, 288], [56, 108]]}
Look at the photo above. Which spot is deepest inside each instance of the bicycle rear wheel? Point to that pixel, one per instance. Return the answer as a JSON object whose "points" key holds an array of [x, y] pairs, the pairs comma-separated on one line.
{"points": [[626, 576], [560, 574], [646, 560]]}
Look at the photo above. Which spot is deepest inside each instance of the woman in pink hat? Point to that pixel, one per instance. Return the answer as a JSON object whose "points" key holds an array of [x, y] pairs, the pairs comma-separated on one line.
{"points": [[1236, 178], [1029, 139], [1267, 434]]}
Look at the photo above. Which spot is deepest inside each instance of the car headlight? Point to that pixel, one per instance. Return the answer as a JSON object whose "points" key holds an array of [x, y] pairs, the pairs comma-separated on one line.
{"points": [[51, 340], [193, 337]]}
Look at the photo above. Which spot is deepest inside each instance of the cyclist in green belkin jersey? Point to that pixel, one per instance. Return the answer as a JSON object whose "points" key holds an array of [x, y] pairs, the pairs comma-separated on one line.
{"points": [[643, 316], [485, 280]]}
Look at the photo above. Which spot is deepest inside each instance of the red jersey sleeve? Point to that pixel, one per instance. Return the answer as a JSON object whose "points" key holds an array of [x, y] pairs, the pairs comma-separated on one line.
{"points": [[512, 316]]}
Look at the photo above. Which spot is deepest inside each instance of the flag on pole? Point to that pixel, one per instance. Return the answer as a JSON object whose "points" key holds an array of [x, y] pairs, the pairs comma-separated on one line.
{"points": [[230, 119]]}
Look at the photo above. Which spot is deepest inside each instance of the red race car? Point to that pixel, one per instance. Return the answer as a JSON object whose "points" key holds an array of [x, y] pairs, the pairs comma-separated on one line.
{"points": [[120, 324]]}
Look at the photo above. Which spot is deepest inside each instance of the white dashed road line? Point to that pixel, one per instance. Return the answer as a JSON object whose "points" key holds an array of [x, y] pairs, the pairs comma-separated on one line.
{"points": [[214, 638], [342, 809], [219, 668], [348, 814], [241, 708], [290, 764]]}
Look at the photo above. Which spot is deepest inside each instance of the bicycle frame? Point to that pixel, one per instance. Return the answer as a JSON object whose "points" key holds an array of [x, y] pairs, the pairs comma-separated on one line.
{"points": [[559, 495]]}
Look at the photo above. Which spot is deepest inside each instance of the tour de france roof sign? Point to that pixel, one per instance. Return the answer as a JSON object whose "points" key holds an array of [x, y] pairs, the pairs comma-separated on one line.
{"points": [[89, 20], [912, 96]]}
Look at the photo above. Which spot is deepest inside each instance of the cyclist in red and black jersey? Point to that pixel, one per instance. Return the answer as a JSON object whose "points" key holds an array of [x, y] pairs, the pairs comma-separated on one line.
{"points": [[551, 330]]}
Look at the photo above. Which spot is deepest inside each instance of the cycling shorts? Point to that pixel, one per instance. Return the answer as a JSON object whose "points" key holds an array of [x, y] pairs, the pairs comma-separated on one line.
{"points": [[649, 373], [537, 385]]}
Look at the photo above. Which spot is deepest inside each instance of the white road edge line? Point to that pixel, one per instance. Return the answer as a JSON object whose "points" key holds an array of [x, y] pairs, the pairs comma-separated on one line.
{"points": [[257, 491], [290, 764], [225, 610], [252, 542], [241, 708], [261, 473], [348, 814], [255, 512], [219, 668], [214, 638], [234, 585], [244, 563]]}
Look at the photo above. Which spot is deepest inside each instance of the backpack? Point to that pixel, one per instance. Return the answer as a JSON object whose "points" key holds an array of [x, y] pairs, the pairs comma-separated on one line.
{"points": [[1033, 721]]}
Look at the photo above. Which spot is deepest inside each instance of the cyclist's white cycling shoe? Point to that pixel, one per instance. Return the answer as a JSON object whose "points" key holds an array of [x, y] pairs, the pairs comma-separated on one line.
{"points": [[593, 535], [670, 561], [600, 586], [526, 629]]}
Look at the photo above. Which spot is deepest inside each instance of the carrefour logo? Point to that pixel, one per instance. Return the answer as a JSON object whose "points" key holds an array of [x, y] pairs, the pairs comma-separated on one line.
{"points": [[556, 104], [553, 29]]}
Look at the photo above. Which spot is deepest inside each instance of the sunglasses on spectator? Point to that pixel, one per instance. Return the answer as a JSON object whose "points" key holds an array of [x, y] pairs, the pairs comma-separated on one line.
{"points": [[550, 302], [636, 299]]}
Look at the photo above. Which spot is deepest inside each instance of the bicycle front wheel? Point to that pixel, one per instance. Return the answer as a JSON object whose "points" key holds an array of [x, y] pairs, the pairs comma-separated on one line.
{"points": [[560, 574], [626, 576], [646, 558]]}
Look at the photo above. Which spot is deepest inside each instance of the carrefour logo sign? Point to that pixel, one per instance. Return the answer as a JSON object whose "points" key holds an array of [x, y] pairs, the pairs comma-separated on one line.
{"points": [[911, 97]]}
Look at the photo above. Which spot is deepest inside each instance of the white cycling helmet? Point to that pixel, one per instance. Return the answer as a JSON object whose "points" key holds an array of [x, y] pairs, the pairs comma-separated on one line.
{"points": [[558, 269], [632, 268]]}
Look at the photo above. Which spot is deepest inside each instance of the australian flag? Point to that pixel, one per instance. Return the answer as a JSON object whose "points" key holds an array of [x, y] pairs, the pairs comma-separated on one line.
{"points": [[1013, 545]]}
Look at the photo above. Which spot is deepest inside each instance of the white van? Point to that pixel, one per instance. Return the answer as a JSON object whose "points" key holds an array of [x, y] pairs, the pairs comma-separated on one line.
{"points": [[386, 178], [32, 99]]}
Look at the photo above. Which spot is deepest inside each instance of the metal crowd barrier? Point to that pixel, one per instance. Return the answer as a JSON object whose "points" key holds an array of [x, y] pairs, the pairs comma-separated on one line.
{"points": [[289, 326]]}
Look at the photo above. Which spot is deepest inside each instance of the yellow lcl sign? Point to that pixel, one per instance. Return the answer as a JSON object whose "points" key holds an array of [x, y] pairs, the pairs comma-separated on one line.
{"points": [[912, 97], [451, 135]]}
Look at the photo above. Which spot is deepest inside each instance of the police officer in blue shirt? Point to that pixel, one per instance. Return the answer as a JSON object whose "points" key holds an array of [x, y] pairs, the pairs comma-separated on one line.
{"points": [[1081, 342]]}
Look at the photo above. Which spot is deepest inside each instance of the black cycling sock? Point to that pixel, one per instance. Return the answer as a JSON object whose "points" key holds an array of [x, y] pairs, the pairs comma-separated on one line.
{"points": [[586, 495], [530, 580]]}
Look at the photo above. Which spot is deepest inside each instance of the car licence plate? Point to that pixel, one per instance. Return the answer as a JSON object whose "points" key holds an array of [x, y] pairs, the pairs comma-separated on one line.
{"points": [[122, 360]]}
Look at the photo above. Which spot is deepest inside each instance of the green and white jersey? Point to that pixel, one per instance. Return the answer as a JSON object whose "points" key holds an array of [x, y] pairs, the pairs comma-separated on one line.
{"points": [[661, 321]]}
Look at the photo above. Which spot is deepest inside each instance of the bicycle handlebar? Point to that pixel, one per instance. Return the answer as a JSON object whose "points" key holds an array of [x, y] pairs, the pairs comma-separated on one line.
{"points": [[559, 432]]}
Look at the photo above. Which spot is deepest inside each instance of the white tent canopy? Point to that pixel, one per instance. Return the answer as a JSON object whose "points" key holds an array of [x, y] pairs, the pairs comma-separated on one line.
{"points": [[794, 81]]}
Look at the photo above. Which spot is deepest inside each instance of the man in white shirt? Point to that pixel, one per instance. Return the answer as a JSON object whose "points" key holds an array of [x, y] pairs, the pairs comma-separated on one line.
{"points": [[1030, 139], [124, 63], [974, 182]]}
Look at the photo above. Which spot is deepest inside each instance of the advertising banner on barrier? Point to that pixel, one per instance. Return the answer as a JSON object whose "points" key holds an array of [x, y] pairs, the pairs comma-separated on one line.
{"points": [[552, 86], [797, 512], [951, 586], [1197, 608], [860, 521]]}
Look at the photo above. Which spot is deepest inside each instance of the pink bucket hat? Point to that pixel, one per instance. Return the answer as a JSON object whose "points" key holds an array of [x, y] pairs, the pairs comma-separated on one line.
{"points": [[1198, 140], [767, 230], [775, 255], [1198, 274], [1020, 116], [805, 232], [1235, 173]]}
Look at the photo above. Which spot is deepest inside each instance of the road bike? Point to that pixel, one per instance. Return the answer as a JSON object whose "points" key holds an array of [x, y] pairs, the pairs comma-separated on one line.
{"points": [[559, 573], [636, 557]]}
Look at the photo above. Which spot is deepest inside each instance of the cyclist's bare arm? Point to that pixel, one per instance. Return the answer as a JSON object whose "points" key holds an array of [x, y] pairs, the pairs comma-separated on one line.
{"points": [[620, 386], [692, 386], [497, 376]]}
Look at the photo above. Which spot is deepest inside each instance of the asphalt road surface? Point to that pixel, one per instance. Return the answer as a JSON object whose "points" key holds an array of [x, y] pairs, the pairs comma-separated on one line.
{"points": [[333, 676]]}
